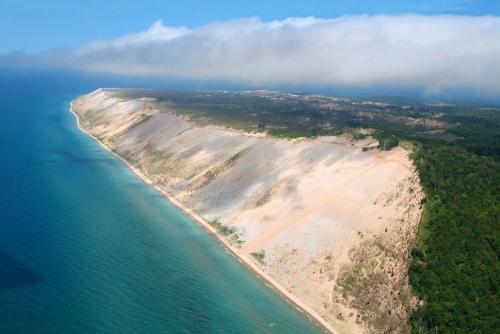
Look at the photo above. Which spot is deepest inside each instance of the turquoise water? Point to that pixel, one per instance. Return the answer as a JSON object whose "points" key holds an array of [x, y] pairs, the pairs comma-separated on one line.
{"points": [[85, 247]]}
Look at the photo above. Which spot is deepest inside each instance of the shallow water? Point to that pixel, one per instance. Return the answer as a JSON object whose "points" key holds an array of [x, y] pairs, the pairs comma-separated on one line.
{"points": [[85, 247]]}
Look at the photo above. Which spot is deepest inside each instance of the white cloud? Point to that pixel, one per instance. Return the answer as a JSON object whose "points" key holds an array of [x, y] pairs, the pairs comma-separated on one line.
{"points": [[157, 33], [434, 52]]}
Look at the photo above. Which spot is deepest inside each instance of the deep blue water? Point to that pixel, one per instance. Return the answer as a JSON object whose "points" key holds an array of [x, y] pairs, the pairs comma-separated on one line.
{"points": [[85, 247]]}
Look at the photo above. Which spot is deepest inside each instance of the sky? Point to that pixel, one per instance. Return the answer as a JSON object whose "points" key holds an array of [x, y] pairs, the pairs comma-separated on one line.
{"points": [[439, 46], [37, 25]]}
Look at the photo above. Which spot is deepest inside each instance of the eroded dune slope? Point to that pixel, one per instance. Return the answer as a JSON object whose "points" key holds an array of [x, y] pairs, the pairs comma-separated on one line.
{"points": [[331, 223]]}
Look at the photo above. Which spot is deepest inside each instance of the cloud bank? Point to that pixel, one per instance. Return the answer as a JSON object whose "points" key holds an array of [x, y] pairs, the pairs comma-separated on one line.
{"points": [[437, 53]]}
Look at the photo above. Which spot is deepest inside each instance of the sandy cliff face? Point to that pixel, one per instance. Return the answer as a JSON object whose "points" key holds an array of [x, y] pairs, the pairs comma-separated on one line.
{"points": [[331, 223]]}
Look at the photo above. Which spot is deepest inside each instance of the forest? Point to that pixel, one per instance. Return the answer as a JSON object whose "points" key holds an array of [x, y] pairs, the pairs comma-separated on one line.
{"points": [[455, 265]]}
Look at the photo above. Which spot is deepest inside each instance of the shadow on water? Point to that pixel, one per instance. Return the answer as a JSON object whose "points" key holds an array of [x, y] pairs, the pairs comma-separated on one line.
{"points": [[55, 118], [69, 157], [15, 274], [73, 156]]}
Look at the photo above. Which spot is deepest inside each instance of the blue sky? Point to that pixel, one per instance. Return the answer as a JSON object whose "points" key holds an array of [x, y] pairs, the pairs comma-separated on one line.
{"points": [[36, 25], [435, 47]]}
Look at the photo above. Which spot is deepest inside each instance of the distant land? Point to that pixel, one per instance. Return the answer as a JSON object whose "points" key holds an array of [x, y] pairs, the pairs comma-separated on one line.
{"points": [[370, 215]]}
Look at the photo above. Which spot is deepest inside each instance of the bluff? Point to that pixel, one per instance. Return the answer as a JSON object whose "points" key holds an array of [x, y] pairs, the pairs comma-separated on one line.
{"points": [[329, 221]]}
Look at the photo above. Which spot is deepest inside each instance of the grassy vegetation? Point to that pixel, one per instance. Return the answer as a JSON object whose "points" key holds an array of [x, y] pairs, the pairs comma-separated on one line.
{"points": [[386, 141], [297, 115], [259, 256], [221, 228], [144, 118], [234, 238], [215, 171]]}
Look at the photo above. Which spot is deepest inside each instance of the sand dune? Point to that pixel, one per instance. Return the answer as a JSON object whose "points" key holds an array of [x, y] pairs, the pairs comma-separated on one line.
{"points": [[329, 222]]}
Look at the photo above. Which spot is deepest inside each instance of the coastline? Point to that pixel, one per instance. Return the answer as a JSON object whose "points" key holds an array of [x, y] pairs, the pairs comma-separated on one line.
{"points": [[260, 274]]}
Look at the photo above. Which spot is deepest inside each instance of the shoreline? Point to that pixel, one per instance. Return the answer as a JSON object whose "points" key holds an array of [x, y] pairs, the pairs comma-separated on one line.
{"points": [[312, 315]]}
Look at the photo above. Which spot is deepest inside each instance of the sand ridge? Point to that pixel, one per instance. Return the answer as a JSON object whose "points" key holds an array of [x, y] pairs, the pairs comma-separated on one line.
{"points": [[307, 213]]}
